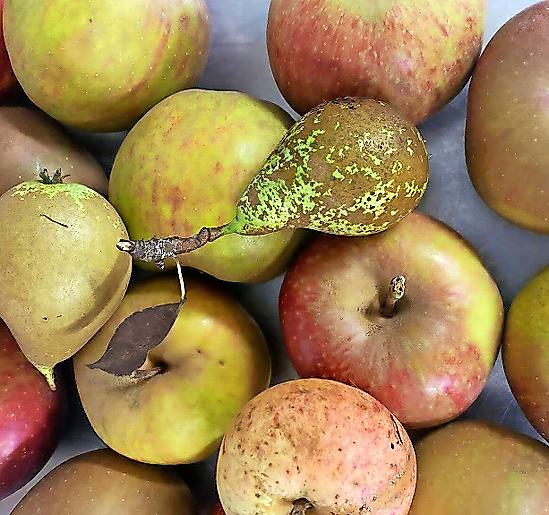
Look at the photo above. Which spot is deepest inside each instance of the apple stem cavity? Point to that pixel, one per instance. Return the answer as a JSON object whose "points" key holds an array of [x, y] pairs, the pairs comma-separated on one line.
{"points": [[396, 292], [156, 250], [300, 507]]}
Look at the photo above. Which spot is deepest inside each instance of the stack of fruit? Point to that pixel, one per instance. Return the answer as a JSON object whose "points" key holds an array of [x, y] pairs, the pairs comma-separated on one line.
{"points": [[139, 293]]}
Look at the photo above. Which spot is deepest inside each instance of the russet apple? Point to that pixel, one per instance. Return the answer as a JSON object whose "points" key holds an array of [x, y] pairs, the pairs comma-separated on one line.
{"points": [[31, 417], [318, 446], [99, 65], [100, 482], [475, 467], [212, 361], [185, 164], [426, 356], [414, 54], [525, 350]]}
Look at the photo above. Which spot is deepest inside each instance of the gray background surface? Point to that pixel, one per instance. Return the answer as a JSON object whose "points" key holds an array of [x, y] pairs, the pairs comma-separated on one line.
{"points": [[238, 61]]}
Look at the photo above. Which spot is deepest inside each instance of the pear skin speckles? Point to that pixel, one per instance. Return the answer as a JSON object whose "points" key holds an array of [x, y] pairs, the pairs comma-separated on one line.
{"points": [[351, 166]]}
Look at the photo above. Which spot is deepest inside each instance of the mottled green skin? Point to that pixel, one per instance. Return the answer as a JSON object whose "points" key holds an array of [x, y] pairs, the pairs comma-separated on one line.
{"points": [[348, 167]]}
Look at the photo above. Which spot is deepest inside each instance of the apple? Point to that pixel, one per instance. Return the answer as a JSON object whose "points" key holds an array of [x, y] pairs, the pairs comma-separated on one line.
{"points": [[414, 54], [318, 445], [8, 81], [525, 350], [478, 468], [185, 164], [427, 356], [32, 141], [99, 65], [100, 481], [507, 123], [212, 361], [31, 417]]}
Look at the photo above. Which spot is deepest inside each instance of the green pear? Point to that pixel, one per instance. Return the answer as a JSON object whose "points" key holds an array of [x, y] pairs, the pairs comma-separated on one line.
{"points": [[61, 276], [351, 167]]}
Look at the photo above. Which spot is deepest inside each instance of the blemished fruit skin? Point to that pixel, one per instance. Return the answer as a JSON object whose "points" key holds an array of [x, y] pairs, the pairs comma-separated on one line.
{"points": [[185, 164], [76, 62], [33, 141], [414, 54], [351, 166], [31, 417], [319, 441], [525, 350], [427, 362], [478, 468], [214, 359], [507, 122], [62, 276], [100, 481]]}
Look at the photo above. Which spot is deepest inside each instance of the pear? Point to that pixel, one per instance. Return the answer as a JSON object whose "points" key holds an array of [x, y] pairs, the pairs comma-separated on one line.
{"points": [[61, 276], [351, 167]]}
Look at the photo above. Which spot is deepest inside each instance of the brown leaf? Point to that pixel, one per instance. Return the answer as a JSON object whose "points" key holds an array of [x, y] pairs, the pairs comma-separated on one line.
{"points": [[135, 337]]}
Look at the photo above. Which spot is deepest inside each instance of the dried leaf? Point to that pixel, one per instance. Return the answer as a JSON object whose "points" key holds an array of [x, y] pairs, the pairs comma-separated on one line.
{"points": [[135, 337]]}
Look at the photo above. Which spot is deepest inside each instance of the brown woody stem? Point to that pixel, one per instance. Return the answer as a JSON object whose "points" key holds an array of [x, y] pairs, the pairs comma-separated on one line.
{"points": [[396, 292], [156, 250], [300, 507]]}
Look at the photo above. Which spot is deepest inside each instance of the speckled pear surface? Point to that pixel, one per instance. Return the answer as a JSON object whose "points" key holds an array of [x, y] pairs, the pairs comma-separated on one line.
{"points": [[61, 276], [351, 166]]}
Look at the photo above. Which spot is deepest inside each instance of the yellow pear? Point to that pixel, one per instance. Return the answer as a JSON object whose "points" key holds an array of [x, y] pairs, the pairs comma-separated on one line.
{"points": [[62, 276]]}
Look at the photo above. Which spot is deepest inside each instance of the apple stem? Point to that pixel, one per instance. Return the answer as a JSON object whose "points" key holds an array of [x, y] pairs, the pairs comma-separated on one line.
{"points": [[47, 178], [396, 292], [300, 507], [156, 250]]}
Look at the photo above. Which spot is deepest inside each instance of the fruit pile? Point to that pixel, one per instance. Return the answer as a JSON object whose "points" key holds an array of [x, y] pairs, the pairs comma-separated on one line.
{"points": [[216, 303]]}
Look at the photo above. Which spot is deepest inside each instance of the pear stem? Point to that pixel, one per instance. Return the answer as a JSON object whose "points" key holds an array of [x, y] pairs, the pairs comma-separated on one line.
{"points": [[156, 250], [396, 292], [300, 507]]}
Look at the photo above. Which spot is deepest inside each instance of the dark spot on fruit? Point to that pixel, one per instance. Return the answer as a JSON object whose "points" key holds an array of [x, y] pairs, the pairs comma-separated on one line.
{"points": [[221, 362], [44, 318], [392, 445]]}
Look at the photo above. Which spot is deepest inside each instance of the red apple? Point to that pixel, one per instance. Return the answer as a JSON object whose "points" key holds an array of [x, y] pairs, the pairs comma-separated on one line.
{"points": [[99, 65], [7, 78], [426, 358], [507, 122], [414, 54], [31, 417]]}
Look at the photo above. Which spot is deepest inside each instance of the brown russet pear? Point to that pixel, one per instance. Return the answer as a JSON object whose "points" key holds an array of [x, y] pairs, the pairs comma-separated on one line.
{"points": [[351, 167], [61, 276]]}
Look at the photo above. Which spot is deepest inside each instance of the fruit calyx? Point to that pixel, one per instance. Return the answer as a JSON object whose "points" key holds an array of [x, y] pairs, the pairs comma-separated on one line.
{"points": [[396, 292], [47, 178], [301, 506]]}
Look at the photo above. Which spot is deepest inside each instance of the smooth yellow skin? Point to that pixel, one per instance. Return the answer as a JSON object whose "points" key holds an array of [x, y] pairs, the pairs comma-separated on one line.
{"points": [[62, 276], [77, 63], [184, 165], [216, 359]]}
